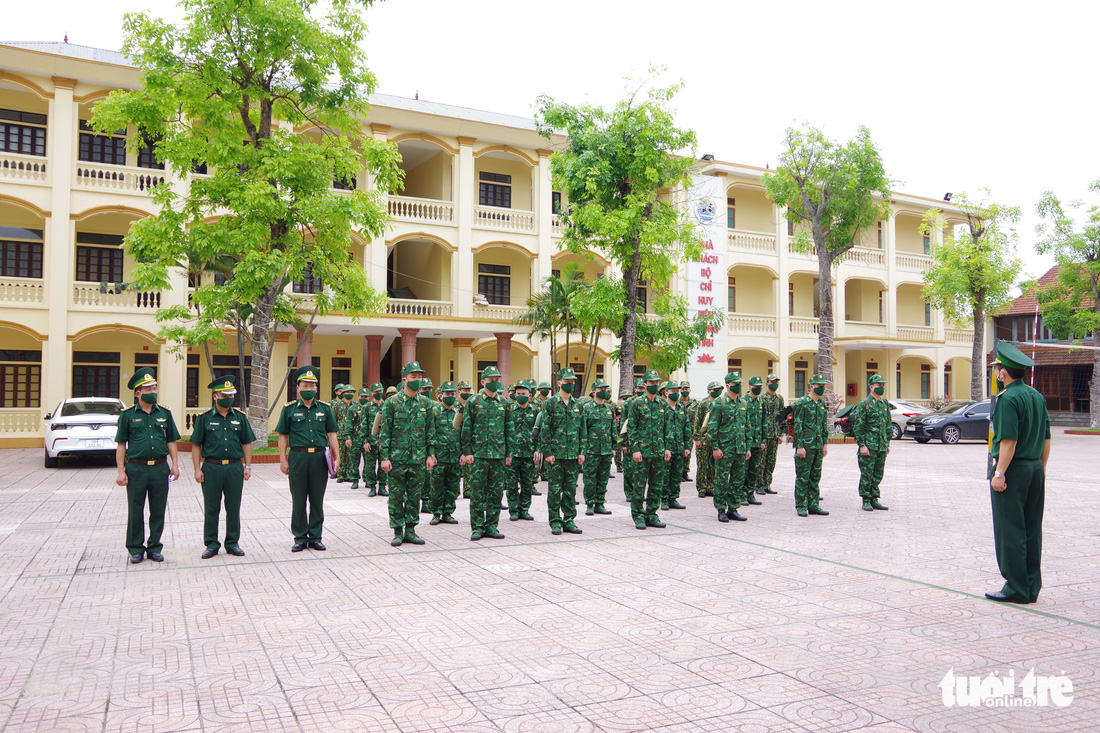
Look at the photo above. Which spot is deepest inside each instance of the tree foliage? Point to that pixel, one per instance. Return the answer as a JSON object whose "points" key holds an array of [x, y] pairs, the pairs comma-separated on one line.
{"points": [[619, 170], [667, 341], [973, 271], [232, 88]]}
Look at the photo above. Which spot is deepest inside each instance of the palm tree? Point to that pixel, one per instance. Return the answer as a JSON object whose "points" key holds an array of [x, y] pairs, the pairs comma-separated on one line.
{"points": [[548, 311]]}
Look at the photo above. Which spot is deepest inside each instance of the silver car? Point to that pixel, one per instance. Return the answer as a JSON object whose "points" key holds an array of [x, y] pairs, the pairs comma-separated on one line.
{"points": [[82, 426], [900, 412]]}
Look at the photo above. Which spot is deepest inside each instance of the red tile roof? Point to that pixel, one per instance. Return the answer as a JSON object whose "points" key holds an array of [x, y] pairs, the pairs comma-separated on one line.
{"points": [[1046, 356], [1025, 304]]}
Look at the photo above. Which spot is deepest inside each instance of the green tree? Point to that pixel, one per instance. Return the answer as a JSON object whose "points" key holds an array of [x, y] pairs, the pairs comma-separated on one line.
{"points": [[549, 311], [616, 170], [1071, 307], [597, 307], [973, 271], [667, 341], [228, 88], [835, 191]]}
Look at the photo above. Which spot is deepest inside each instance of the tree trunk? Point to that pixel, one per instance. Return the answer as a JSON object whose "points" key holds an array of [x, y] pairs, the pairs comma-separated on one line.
{"points": [[630, 319], [244, 376], [262, 327], [1094, 383], [977, 355], [826, 326], [590, 363]]}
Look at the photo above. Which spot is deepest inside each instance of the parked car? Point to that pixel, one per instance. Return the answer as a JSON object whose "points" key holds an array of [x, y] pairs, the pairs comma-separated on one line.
{"points": [[82, 426], [900, 412], [962, 420]]}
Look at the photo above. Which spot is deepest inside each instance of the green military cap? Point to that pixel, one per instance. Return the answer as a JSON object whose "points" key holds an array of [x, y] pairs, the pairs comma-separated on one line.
{"points": [[733, 378], [338, 388], [1011, 357], [511, 387], [141, 378], [376, 387], [600, 383], [529, 384], [650, 375], [817, 379], [625, 392], [411, 367], [426, 383], [308, 373], [447, 386], [226, 385], [670, 385], [685, 384], [714, 385], [773, 377], [364, 392], [464, 384], [566, 373], [348, 388], [756, 382], [391, 390], [876, 379], [639, 382], [490, 371], [544, 385]]}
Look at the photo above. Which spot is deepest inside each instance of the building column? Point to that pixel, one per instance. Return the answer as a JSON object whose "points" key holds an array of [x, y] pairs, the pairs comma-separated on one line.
{"points": [[464, 360], [504, 356], [408, 344], [305, 354], [374, 358], [462, 261], [376, 254]]}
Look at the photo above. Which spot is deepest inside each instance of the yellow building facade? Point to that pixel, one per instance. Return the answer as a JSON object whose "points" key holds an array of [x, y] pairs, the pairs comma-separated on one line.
{"points": [[472, 236]]}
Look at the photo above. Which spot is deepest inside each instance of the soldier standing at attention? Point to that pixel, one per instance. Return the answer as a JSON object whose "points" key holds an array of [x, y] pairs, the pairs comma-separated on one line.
{"points": [[872, 428], [521, 487], [728, 433], [488, 438], [811, 442], [561, 446], [755, 415], [146, 437], [704, 451], [373, 477], [647, 444], [444, 476], [464, 392], [339, 409], [679, 444], [690, 406], [772, 407], [600, 433], [624, 439], [1017, 478], [345, 434], [222, 442], [406, 443], [624, 394], [544, 394], [306, 426]]}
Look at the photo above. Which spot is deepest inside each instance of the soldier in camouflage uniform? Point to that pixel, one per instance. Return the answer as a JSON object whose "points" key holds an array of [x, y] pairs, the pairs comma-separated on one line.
{"points": [[727, 431], [704, 451], [624, 395], [691, 405], [679, 445], [561, 446], [624, 439], [811, 442], [773, 405], [755, 410], [339, 409], [407, 446], [540, 400], [444, 476], [348, 435], [426, 387], [600, 431], [464, 392], [521, 487], [872, 428], [647, 443], [488, 438], [373, 477]]}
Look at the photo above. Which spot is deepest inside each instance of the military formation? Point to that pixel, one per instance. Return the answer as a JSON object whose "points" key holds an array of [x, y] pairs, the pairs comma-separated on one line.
{"points": [[424, 447]]}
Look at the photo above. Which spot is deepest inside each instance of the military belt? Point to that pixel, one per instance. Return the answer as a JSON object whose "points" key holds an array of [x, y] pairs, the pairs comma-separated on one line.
{"points": [[311, 449], [153, 462], [221, 461]]}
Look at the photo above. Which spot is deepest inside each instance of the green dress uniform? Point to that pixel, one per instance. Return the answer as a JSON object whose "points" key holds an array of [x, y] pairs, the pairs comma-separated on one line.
{"points": [[704, 453], [406, 439], [445, 475], [679, 440], [600, 429], [1020, 414], [727, 430], [222, 438], [307, 429], [647, 434], [146, 436], [562, 436], [754, 408], [811, 432], [488, 434], [773, 405], [524, 472], [872, 429]]}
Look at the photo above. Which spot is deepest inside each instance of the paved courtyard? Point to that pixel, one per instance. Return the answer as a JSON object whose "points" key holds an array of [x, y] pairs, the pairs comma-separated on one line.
{"points": [[843, 622]]}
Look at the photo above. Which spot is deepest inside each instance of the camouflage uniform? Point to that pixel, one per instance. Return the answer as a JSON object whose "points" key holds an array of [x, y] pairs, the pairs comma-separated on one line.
{"points": [[704, 451], [444, 476], [727, 431], [349, 432], [488, 434], [773, 406], [755, 428], [539, 401], [561, 437], [872, 429], [521, 487], [679, 440], [406, 440], [811, 433], [623, 397], [339, 410], [648, 436], [464, 470], [600, 427], [624, 439]]}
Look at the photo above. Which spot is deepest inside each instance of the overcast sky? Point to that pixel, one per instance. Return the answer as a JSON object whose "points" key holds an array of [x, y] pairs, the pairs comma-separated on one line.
{"points": [[958, 95]]}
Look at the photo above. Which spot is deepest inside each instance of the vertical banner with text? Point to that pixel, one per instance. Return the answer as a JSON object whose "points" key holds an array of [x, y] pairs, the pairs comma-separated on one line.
{"points": [[707, 282]]}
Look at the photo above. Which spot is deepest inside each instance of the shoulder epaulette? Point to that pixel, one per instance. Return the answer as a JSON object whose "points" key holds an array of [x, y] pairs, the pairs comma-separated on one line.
{"points": [[290, 403]]}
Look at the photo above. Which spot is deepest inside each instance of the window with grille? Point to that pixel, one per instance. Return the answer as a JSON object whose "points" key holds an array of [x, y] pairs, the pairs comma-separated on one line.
{"points": [[927, 244], [98, 264], [147, 157], [192, 387], [897, 381], [95, 380], [731, 219], [22, 132], [495, 283], [640, 293], [790, 228], [880, 235], [308, 285], [555, 202], [21, 258], [94, 148], [790, 299], [732, 297], [799, 383], [880, 306], [495, 189], [20, 378]]}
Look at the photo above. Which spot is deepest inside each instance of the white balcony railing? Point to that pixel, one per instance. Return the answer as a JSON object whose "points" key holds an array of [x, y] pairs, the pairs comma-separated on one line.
{"points": [[912, 261], [796, 253], [117, 178], [866, 256], [498, 312], [916, 333], [23, 168], [21, 420], [751, 323], [428, 211], [556, 227], [513, 220], [746, 241], [405, 307], [19, 290], [956, 337], [804, 326], [94, 295]]}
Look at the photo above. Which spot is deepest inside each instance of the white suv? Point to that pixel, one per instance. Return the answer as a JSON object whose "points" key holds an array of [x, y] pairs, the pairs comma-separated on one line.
{"points": [[82, 426]]}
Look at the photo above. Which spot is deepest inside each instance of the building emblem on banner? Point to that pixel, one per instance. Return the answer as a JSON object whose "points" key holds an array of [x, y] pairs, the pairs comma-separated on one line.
{"points": [[705, 210]]}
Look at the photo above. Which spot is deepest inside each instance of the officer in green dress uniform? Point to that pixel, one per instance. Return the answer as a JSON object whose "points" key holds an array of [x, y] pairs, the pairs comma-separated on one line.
{"points": [[872, 429], [407, 443], [445, 475], [488, 437], [1019, 450], [647, 446], [222, 457], [146, 457], [306, 427], [811, 442], [600, 433], [521, 487], [773, 435]]}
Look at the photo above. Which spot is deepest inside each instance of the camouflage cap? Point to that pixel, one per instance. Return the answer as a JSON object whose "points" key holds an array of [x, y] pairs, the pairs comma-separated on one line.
{"points": [[489, 372], [425, 383], [566, 373], [639, 382], [650, 375], [599, 383], [817, 379], [348, 388], [376, 387], [670, 385], [685, 384], [464, 384], [733, 378], [756, 382], [411, 368], [714, 385], [447, 386], [364, 392], [875, 379]]}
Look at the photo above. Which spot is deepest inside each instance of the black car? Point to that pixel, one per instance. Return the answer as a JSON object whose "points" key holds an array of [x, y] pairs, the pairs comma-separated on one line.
{"points": [[963, 420]]}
